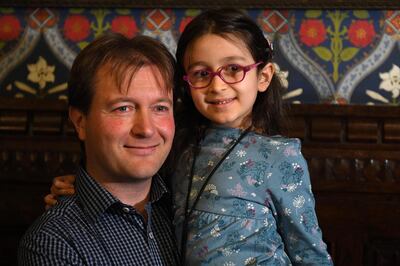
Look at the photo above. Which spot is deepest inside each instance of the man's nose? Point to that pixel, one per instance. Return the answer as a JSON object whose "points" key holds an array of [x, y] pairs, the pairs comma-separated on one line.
{"points": [[143, 124]]}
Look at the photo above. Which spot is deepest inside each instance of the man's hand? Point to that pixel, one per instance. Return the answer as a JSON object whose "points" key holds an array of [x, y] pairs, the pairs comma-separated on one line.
{"points": [[62, 185]]}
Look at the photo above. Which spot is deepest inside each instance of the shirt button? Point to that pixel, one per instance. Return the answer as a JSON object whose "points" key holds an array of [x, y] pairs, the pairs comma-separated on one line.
{"points": [[125, 209], [151, 235]]}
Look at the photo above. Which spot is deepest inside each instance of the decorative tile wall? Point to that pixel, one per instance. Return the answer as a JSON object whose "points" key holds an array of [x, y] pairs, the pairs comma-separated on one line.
{"points": [[324, 56]]}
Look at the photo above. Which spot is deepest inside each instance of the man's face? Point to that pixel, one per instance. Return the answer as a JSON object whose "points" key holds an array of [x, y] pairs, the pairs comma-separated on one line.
{"points": [[128, 133]]}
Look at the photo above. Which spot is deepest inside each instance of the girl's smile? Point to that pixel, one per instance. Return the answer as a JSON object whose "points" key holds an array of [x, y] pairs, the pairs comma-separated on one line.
{"points": [[221, 102]]}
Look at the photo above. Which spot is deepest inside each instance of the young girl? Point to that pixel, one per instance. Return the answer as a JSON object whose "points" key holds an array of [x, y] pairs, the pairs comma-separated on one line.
{"points": [[242, 193]]}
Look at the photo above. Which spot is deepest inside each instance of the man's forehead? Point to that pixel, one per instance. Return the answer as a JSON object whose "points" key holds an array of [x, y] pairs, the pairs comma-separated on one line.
{"points": [[123, 76]]}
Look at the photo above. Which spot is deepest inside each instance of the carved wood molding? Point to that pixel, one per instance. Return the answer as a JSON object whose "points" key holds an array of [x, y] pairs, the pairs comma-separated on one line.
{"points": [[348, 148], [36, 166], [273, 4]]}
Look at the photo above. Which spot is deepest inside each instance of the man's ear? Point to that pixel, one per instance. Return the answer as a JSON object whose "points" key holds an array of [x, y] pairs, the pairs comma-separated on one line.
{"points": [[78, 119], [265, 77]]}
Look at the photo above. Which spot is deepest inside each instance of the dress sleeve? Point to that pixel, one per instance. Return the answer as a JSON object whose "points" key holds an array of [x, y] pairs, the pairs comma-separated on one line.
{"points": [[295, 207]]}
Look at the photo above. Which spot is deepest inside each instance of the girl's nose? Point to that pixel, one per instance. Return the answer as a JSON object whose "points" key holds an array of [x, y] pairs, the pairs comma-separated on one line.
{"points": [[217, 84]]}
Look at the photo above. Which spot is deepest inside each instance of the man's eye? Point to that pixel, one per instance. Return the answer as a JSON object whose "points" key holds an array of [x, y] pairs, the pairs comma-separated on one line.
{"points": [[161, 108], [122, 109]]}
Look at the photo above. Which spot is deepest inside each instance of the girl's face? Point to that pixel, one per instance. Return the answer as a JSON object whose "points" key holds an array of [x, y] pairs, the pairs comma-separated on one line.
{"points": [[225, 104]]}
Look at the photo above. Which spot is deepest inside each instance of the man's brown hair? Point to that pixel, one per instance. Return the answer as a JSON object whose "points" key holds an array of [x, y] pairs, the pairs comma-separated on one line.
{"points": [[124, 57]]}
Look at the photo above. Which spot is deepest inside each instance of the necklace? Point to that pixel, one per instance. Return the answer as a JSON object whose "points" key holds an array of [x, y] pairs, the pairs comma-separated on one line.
{"points": [[188, 212]]}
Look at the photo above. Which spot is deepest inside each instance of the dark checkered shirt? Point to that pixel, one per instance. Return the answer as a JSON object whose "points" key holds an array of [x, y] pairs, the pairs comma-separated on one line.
{"points": [[94, 228]]}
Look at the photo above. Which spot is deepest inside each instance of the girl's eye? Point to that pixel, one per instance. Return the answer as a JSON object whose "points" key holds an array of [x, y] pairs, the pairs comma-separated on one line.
{"points": [[200, 74], [233, 68]]}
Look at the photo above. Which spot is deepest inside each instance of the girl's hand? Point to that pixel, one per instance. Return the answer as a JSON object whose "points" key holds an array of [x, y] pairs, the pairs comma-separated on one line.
{"points": [[62, 185]]}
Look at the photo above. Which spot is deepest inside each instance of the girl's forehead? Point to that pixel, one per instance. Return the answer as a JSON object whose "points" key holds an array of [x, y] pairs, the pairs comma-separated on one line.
{"points": [[213, 47]]}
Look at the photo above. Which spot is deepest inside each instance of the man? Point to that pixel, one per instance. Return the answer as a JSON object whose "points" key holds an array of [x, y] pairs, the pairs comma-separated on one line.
{"points": [[120, 102]]}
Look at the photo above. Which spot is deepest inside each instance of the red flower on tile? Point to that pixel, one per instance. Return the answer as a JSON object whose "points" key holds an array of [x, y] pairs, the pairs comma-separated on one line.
{"points": [[125, 25], [10, 28], [76, 28], [184, 23], [361, 33], [312, 32]]}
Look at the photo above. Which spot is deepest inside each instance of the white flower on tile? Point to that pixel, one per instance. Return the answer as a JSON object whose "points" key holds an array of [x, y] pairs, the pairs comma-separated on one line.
{"points": [[229, 263], [391, 81], [41, 73], [298, 201]]}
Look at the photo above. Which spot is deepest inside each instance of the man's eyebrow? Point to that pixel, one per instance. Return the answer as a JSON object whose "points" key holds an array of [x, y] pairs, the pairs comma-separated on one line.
{"points": [[164, 100], [121, 99], [130, 99]]}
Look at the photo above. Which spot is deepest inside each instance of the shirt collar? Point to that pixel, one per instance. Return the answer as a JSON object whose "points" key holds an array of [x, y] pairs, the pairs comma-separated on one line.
{"points": [[95, 199]]}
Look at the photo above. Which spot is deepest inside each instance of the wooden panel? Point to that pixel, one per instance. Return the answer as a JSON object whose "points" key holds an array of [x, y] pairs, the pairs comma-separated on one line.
{"points": [[326, 129], [392, 130]]}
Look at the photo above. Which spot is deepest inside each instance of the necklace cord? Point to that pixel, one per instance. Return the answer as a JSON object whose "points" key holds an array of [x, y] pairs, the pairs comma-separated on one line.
{"points": [[188, 212]]}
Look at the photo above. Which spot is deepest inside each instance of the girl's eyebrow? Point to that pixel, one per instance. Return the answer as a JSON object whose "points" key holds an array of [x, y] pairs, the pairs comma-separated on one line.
{"points": [[223, 61], [200, 63]]}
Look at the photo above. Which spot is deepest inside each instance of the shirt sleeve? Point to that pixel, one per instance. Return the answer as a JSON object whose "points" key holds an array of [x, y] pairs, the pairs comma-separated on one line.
{"points": [[42, 248], [295, 208]]}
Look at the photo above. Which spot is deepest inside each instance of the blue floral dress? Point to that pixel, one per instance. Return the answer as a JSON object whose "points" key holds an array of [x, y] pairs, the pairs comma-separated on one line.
{"points": [[256, 209]]}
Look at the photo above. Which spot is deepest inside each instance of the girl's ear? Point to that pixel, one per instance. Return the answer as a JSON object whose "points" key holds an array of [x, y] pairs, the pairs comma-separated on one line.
{"points": [[78, 119], [265, 77]]}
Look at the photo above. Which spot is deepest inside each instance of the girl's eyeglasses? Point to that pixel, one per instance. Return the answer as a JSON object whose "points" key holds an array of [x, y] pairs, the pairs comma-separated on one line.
{"points": [[230, 74]]}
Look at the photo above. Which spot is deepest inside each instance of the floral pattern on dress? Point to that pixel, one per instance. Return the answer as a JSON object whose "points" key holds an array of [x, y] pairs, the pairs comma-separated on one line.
{"points": [[292, 176], [257, 208], [255, 171]]}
